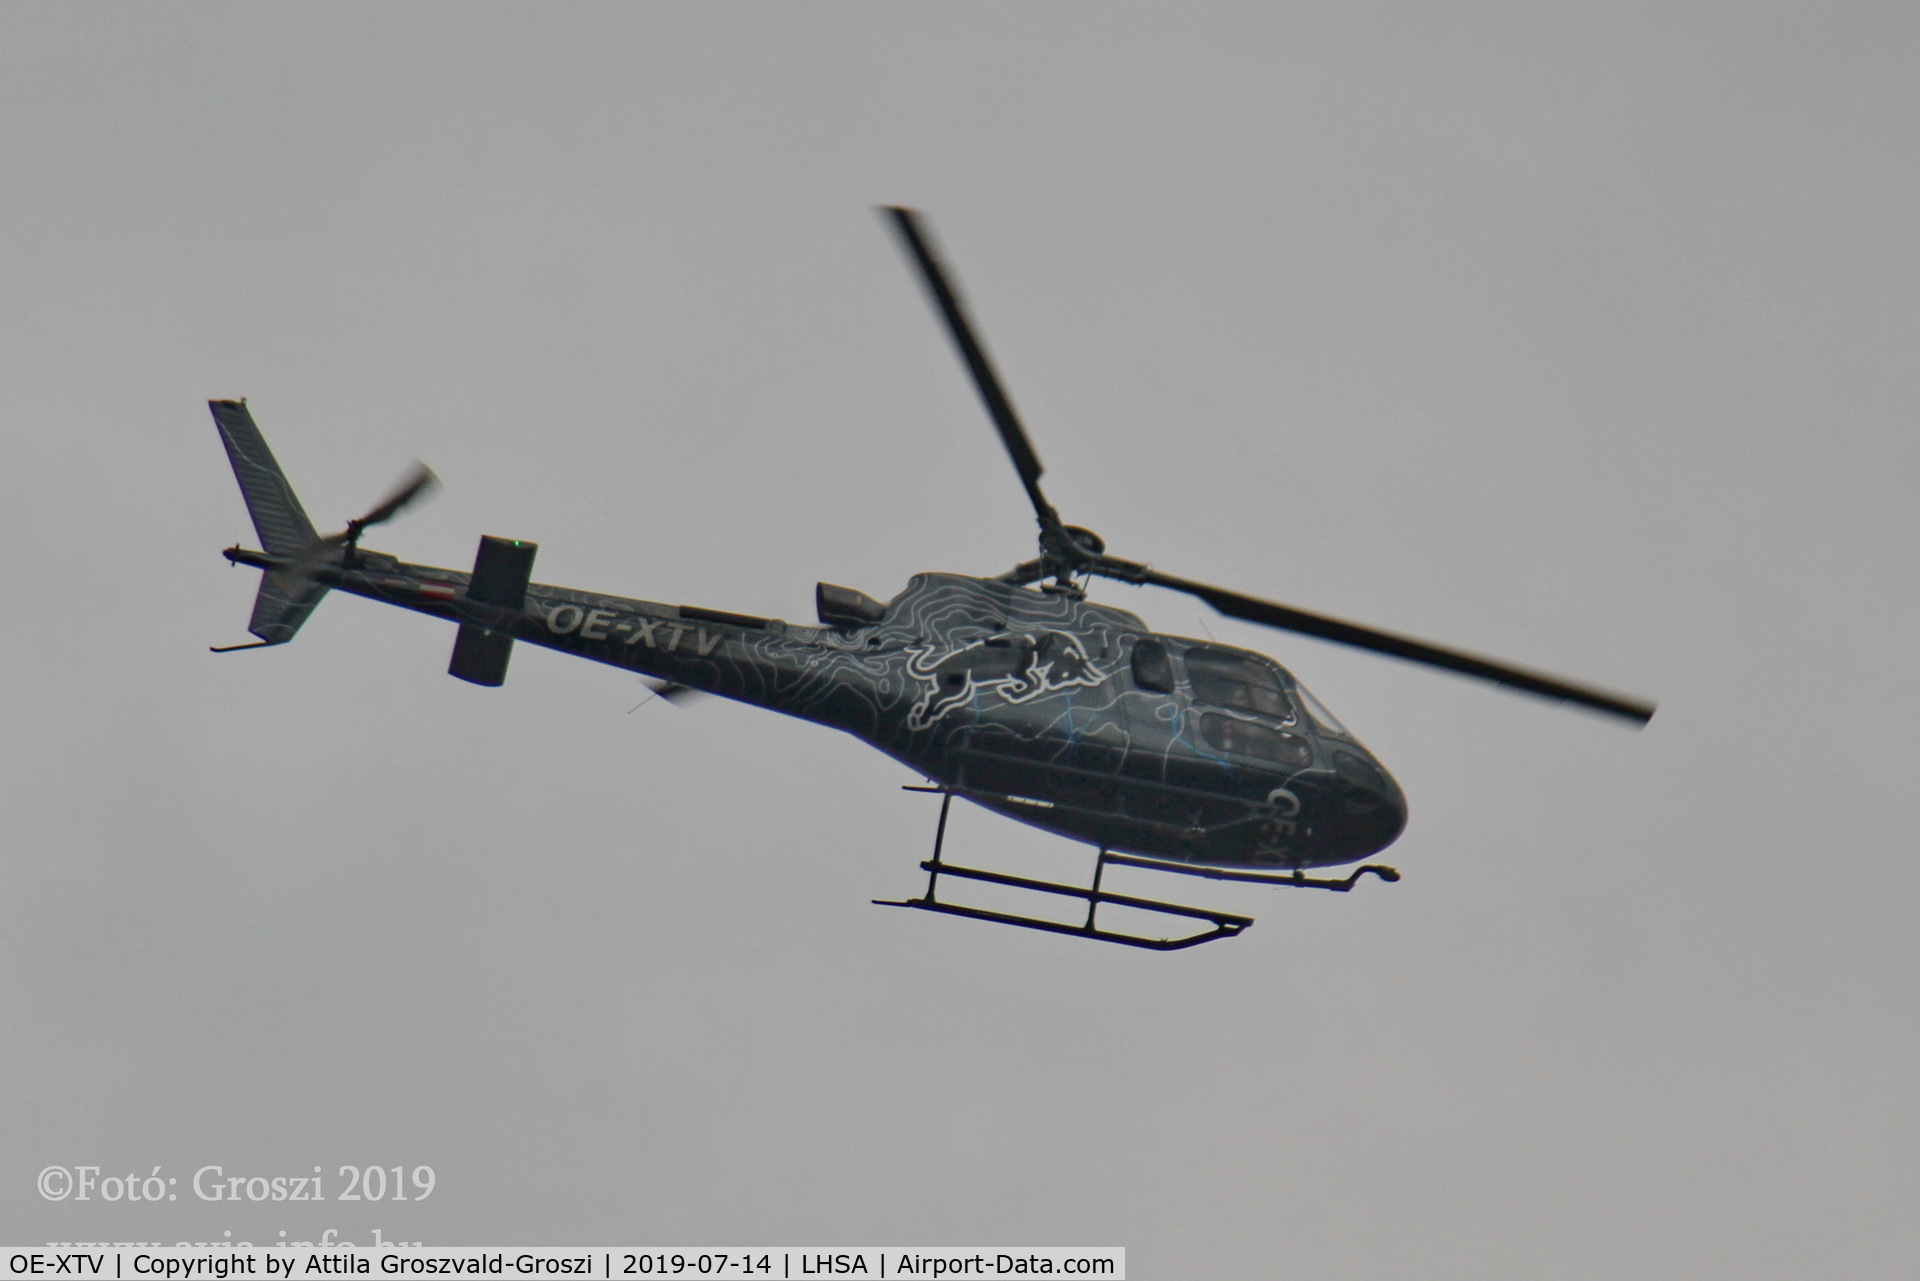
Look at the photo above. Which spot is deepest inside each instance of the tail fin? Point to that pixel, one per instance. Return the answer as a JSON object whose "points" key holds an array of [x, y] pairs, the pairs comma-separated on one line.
{"points": [[277, 515], [285, 599]]}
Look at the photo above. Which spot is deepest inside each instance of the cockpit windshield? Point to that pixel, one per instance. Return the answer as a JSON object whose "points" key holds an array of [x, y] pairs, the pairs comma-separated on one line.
{"points": [[1318, 710], [1227, 679]]}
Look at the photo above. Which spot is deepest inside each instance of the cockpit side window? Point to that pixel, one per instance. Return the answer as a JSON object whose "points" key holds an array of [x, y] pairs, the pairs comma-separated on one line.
{"points": [[1152, 669], [1227, 679], [1318, 711], [1250, 738]]}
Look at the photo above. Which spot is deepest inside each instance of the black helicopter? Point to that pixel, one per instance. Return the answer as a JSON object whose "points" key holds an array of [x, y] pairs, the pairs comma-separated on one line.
{"points": [[1015, 692]]}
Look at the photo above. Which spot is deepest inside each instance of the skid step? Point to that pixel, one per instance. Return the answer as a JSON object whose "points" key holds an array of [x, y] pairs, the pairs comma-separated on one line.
{"points": [[1338, 885]]}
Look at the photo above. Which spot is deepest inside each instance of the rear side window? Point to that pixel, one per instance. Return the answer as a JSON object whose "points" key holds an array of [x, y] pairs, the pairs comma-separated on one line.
{"points": [[1152, 669], [997, 661], [1227, 679]]}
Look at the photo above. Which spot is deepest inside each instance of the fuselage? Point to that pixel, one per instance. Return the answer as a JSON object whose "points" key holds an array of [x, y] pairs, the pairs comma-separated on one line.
{"points": [[1061, 712]]}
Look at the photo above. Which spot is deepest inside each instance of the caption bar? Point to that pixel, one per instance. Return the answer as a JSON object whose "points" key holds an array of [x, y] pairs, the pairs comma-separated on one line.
{"points": [[760, 1263]]}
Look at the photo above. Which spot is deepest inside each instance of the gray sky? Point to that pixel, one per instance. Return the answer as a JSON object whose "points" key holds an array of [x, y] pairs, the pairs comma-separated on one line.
{"points": [[1579, 335]]}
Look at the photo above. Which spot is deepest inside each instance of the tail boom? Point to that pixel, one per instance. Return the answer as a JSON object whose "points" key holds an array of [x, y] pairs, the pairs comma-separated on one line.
{"points": [[734, 655]]}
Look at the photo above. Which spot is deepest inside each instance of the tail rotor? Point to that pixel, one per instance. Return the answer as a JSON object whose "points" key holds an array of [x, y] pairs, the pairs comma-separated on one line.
{"points": [[414, 485], [288, 591]]}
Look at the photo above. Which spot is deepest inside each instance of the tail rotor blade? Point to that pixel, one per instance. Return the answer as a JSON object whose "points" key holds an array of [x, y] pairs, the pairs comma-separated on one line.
{"points": [[415, 484], [317, 553], [419, 481]]}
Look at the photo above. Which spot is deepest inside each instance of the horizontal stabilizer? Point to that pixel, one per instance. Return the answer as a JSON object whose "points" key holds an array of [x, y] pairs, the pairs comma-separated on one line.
{"points": [[480, 656], [501, 570]]}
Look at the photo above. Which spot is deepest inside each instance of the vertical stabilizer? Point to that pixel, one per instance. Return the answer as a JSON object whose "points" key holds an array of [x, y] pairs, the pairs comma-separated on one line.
{"points": [[285, 599], [277, 515]]}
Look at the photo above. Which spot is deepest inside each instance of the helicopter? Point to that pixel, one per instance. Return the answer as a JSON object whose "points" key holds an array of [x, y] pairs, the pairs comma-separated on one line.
{"points": [[1016, 692]]}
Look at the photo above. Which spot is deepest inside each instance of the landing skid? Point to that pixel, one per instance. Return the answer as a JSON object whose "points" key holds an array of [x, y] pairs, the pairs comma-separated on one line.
{"points": [[1225, 924]]}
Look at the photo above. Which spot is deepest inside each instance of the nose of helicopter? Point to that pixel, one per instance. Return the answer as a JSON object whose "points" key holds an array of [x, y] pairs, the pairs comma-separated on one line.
{"points": [[1369, 810]]}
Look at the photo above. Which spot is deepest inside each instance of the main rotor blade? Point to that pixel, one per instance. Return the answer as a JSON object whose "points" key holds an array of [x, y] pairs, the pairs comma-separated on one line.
{"points": [[913, 234], [1254, 610]]}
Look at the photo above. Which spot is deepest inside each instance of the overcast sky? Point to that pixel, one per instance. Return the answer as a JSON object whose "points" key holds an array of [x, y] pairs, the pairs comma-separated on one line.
{"points": [[1581, 335]]}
